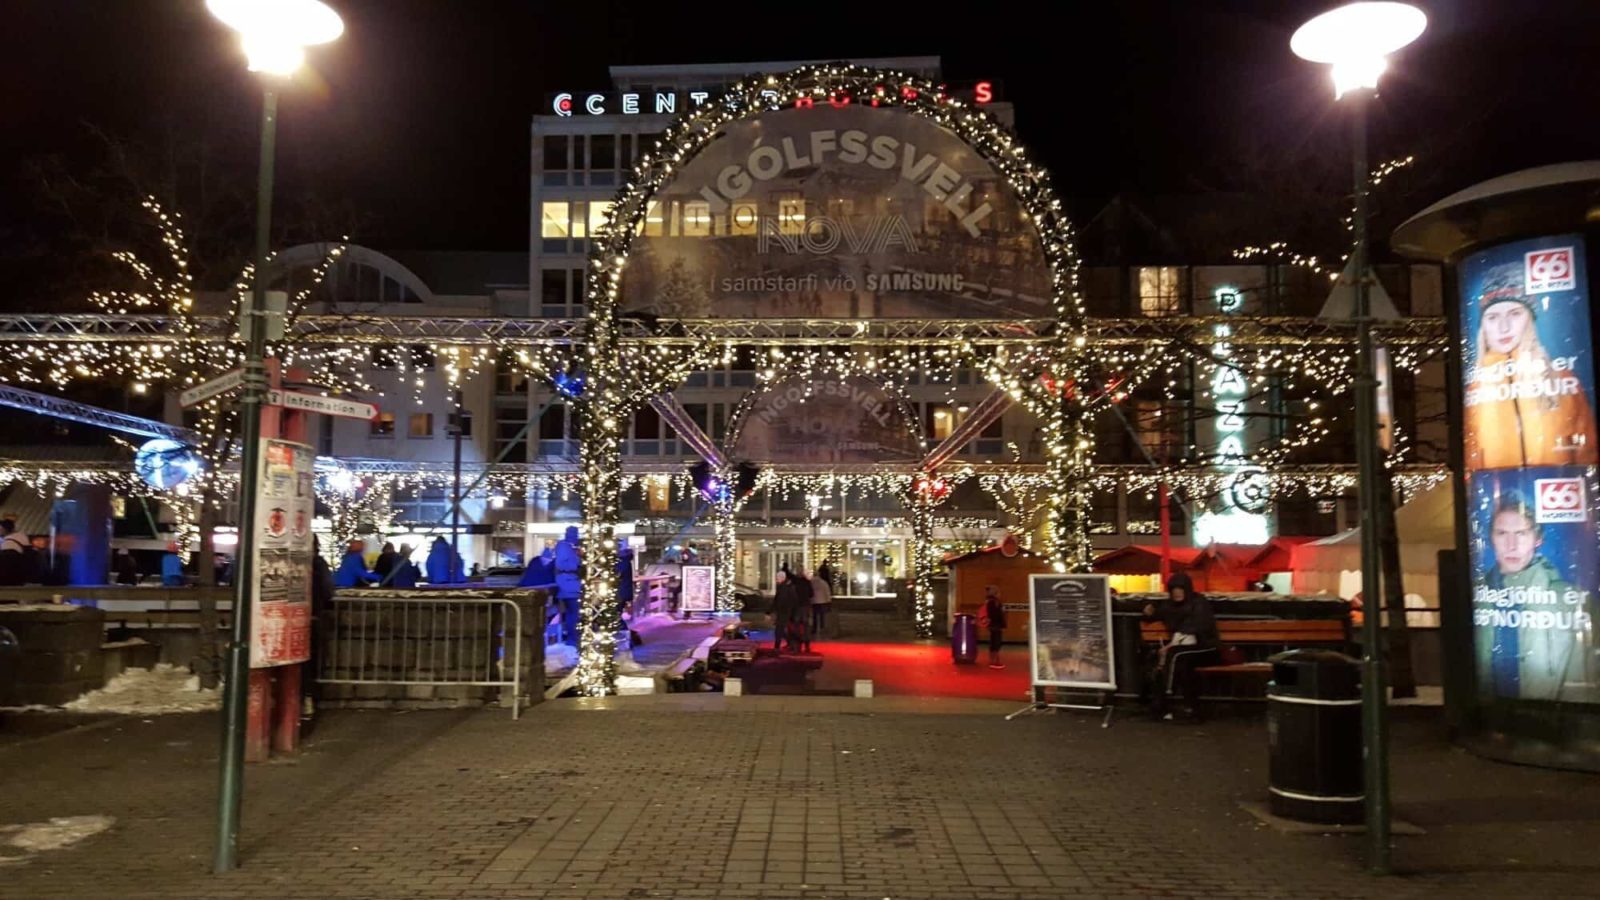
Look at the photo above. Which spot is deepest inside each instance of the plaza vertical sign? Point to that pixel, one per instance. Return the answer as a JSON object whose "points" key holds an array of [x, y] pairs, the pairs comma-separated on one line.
{"points": [[1239, 518], [281, 622], [1529, 446]]}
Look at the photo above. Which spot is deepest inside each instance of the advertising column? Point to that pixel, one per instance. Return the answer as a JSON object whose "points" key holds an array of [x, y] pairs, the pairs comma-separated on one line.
{"points": [[281, 627], [1530, 454]]}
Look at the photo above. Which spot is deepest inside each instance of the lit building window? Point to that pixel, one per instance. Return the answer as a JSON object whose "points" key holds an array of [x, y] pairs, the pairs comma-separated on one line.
{"points": [[598, 210], [654, 224], [791, 215], [554, 219], [696, 219], [420, 426], [743, 218], [1160, 292], [579, 223], [383, 425]]}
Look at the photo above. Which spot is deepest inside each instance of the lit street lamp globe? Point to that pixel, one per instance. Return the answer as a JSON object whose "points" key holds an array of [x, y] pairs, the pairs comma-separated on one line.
{"points": [[1355, 39], [275, 33]]}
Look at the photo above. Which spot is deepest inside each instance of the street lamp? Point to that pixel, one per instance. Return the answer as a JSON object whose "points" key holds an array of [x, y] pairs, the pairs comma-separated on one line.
{"points": [[274, 35], [1355, 40]]}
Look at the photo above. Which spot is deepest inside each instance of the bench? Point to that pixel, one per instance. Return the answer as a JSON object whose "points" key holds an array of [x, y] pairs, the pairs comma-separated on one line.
{"points": [[1256, 636]]}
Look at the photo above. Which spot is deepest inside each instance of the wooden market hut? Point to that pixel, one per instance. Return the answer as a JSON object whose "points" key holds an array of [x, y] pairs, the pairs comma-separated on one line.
{"points": [[972, 572]]}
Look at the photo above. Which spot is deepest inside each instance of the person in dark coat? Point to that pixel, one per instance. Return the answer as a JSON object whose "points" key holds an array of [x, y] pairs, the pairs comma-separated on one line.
{"points": [[405, 571], [384, 567], [1192, 643], [569, 583], [125, 569], [321, 622], [993, 617], [785, 605], [802, 613]]}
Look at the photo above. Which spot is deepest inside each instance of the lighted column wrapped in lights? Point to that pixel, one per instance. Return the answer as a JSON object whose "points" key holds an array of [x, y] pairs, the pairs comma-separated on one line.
{"points": [[725, 508], [927, 491]]}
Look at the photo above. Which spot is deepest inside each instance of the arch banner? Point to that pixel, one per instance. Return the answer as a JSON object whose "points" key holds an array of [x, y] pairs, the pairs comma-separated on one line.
{"points": [[837, 212]]}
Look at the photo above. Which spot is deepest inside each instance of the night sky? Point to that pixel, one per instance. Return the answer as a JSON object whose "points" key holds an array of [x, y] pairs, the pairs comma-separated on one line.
{"points": [[411, 131]]}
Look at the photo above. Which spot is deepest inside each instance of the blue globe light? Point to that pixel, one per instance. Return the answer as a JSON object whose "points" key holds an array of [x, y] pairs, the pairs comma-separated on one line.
{"points": [[164, 464]]}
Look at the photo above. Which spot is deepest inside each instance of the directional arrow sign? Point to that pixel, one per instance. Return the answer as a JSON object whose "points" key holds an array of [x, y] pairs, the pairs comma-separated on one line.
{"points": [[219, 385], [328, 406]]}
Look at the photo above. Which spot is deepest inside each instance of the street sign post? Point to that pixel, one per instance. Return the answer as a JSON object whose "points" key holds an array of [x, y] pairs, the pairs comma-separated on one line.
{"points": [[222, 384], [328, 406]]}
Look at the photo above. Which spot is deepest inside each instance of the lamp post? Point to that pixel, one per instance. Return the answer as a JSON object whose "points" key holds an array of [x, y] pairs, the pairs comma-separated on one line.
{"points": [[274, 35], [1355, 40]]}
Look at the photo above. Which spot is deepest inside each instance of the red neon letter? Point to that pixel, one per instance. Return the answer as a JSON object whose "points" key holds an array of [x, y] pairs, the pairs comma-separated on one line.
{"points": [[983, 93]]}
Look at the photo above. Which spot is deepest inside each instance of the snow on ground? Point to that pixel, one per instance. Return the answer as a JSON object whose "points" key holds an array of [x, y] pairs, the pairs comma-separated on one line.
{"points": [[18, 842], [559, 658], [163, 689]]}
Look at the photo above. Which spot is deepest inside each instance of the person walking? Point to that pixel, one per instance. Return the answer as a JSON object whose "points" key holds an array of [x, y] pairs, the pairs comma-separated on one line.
{"points": [[821, 600], [994, 618], [785, 602]]}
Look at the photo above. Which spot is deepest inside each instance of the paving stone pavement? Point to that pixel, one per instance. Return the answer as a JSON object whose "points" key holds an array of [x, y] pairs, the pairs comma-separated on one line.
{"points": [[704, 796]]}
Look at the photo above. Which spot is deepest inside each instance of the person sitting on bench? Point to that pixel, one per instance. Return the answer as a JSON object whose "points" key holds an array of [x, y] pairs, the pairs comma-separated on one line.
{"points": [[1192, 643]]}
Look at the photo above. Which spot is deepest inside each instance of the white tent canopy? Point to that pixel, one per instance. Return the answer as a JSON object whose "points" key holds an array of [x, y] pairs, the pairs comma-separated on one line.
{"points": [[1426, 525]]}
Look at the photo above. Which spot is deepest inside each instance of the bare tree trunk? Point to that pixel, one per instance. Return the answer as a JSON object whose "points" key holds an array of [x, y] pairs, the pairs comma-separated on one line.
{"points": [[1401, 676]]}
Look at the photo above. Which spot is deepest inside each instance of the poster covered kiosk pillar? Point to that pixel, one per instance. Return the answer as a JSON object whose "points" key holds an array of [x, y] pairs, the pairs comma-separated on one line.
{"points": [[1522, 658]]}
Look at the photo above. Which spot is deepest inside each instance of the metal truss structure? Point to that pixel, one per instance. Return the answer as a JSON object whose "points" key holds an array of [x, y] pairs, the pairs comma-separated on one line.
{"points": [[674, 467], [1244, 331], [56, 407]]}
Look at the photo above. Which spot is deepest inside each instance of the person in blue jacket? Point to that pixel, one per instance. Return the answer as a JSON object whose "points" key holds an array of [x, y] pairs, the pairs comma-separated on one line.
{"points": [[569, 583], [172, 567], [438, 565], [352, 568]]}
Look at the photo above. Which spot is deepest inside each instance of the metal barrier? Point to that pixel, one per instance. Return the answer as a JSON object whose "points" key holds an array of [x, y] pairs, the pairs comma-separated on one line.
{"points": [[456, 640]]}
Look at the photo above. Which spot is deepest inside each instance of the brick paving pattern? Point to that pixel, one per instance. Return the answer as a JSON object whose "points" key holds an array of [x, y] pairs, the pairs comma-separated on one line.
{"points": [[701, 796]]}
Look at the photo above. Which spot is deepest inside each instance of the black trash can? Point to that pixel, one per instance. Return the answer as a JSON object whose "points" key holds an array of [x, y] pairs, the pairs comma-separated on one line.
{"points": [[964, 639], [1314, 737]]}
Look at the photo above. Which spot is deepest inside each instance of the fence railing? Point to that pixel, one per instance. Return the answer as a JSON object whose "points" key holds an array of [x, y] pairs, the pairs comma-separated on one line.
{"points": [[451, 645]]}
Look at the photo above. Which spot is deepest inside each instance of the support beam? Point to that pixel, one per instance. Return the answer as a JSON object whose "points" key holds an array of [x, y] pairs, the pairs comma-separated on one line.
{"points": [[671, 410], [73, 411], [985, 413]]}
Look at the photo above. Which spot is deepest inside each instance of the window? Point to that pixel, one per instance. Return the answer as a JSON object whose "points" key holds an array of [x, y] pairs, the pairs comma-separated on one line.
{"points": [[555, 153], [940, 422], [647, 423], [555, 219], [791, 214], [1160, 291], [421, 425], [603, 151], [598, 210], [655, 220], [383, 425], [697, 219], [510, 379], [1103, 512], [385, 356], [553, 291], [553, 424], [743, 218]]}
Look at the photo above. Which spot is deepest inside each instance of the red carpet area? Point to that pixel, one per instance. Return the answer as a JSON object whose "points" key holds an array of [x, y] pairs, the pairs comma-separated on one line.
{"points": [[905, 669]]}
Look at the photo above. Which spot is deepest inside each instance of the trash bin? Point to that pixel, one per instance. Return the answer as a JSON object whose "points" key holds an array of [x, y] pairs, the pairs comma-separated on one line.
{"points": [[1314, 737], [10, 665], [964, 639]]}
